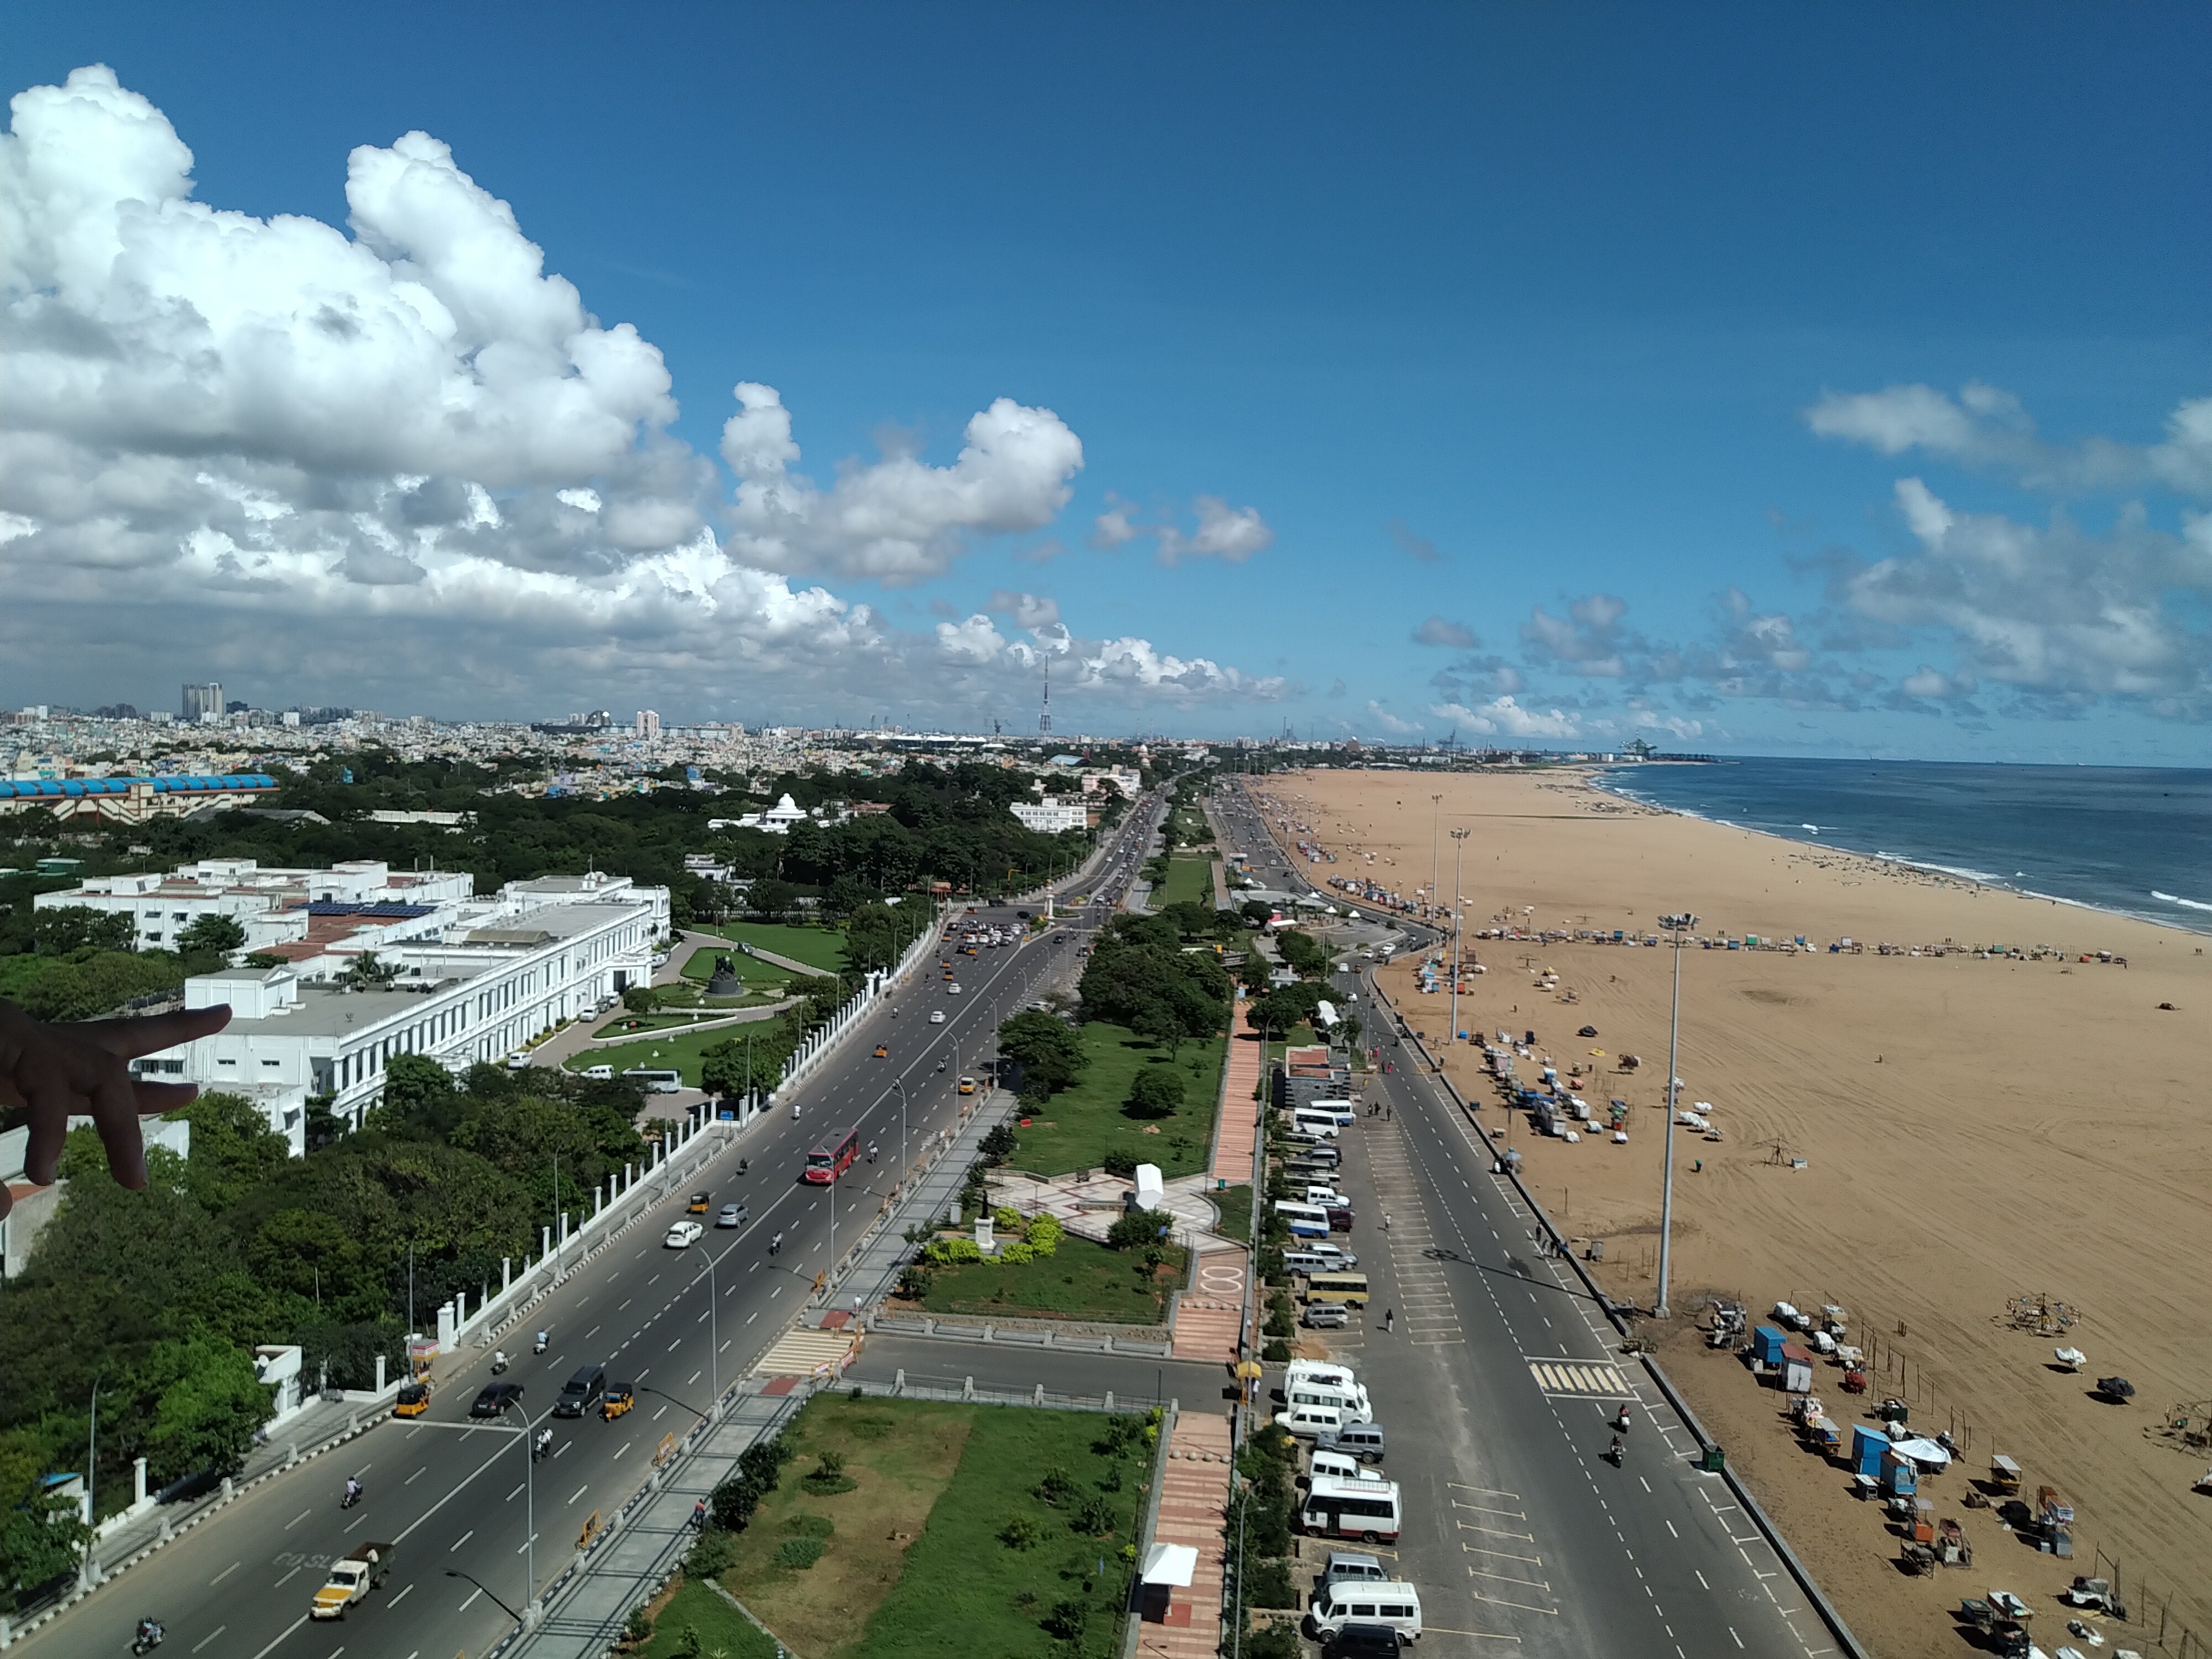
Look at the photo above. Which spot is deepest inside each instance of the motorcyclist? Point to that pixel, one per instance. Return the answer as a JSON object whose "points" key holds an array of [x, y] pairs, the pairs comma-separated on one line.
{"points": [[872, 1152], [541, 1342], [147, 1635], [352, 1491], [498, 1361], [775, 1244], [1613, 1452], [545, 1442], [744, 1164]]}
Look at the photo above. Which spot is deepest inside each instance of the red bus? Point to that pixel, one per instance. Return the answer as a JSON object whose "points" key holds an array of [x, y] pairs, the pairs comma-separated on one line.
{"points": [[833, 1157]]}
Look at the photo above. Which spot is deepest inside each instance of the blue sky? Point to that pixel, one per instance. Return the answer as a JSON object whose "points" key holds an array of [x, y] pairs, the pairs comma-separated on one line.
{"points": [[1613, 338]]}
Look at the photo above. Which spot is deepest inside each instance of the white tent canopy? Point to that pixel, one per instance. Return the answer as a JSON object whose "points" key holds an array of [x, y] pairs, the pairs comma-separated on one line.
{"points": [[1171, 1563], [1924, 1451]]}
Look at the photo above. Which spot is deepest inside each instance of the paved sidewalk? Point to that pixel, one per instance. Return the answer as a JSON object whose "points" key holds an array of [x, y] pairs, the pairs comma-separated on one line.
{"points": [[1238, 1133], [1210, 1319], [1193, 1501]]}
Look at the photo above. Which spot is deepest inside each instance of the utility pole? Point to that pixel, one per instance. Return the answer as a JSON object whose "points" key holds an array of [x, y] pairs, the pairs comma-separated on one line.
{"points": [[1436, 802], [1677, 924], [1459, 853]]}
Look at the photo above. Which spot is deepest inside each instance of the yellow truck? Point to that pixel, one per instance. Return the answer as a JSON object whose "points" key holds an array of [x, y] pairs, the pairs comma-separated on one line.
{"points": [[352, 1577]]}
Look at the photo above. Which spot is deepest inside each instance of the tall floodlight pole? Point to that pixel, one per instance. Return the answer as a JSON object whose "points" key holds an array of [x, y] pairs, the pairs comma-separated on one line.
{"points": [[1676, 924], [1436, 820], [1459, 853], [899, 1084]]}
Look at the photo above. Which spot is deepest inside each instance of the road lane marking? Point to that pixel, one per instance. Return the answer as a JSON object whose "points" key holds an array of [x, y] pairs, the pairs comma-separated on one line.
{"points": [[402, 1596], [288, 1630], [209, 1637], [625, 1452], [693, 1377], [417, 1475], [356, 1523], [470, 1603], [296, 1519], [462, 1540], [224, 1574], [579, 1492]]}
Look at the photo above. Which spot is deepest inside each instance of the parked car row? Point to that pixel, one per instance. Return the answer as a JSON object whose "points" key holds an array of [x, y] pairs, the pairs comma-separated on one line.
{"points": [[1357, 1609]]}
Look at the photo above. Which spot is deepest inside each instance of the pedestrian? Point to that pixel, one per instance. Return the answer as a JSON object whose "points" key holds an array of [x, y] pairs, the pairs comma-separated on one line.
{"points": [[1389, 1318], [1386, 1221]]}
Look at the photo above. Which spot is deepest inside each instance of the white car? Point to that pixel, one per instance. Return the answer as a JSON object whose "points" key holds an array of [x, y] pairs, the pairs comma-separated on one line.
{"points": [[953, 990], [936, 1017], [683, 1235]]}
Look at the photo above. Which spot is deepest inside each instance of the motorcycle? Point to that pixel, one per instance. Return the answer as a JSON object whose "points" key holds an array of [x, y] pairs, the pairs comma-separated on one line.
{"points": [[744, 1166], [352, 1495], [775, 1244], [541, 1447], [540, 1345], [1613, 1454], [498, 1363], [147, 1637]]}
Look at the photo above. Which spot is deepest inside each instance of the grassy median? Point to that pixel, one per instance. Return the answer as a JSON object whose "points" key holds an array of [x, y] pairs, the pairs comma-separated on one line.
{"points": [[1080, 1280], [963, 1530], [1078, 1128]]}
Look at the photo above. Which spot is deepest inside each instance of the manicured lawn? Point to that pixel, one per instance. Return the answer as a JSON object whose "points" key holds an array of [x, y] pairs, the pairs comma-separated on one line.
{"points": [[1190, 880], [1079, 1280], [912, 1565], [753, 971], [967, 1593], [720, 1628], [1235, 1204], [1076, 1129], [680, 1050], [818, 947], [712, 1008]]}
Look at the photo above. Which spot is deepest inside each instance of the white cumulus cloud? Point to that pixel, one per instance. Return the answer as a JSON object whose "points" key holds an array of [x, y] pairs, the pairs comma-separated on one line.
{"points": [[407, 465], [1231, 534], [1396, 725], [1503, 717]]}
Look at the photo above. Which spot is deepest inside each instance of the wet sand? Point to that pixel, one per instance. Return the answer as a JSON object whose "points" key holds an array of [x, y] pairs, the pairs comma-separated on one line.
{"points": [[1971, 1130]]}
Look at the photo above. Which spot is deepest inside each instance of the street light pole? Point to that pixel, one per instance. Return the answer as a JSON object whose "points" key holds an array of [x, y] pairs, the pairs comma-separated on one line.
{"points": [[1459, 853], [487, 1590], [1676, 923], [899, 1084], [1436, 818]]}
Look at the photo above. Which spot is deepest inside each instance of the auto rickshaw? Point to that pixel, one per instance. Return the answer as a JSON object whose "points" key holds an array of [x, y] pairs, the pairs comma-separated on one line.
{"points": [[619, 1398], [699, 1203], [414, 1400], [883, 1052]]}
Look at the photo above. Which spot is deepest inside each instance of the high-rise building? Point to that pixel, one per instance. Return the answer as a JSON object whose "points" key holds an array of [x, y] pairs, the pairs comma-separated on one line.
{"points": [[201, 701], [648, 723]]}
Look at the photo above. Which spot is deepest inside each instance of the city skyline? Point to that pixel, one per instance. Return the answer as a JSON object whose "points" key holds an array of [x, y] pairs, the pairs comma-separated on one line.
{"points": [[1506, 404]]}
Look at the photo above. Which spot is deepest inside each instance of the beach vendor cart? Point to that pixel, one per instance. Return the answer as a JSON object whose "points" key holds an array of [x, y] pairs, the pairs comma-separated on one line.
{"points": [[2004, 1476]]}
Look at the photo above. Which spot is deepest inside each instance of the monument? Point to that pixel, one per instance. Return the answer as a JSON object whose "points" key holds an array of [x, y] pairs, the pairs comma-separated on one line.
{"points": [[725, 981]]}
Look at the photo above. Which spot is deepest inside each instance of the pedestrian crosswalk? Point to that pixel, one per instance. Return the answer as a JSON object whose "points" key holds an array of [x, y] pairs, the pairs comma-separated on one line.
{"points": [[1583, 1378]]}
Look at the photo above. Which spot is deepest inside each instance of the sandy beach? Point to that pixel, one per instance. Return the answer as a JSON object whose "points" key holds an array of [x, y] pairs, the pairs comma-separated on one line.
{"points": [[1919, 1139]]}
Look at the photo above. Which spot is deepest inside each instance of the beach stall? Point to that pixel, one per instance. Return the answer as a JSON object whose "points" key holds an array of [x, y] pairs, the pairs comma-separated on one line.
{"points": [[1869, 1445], [1767, 1342], [1796, 1369]]}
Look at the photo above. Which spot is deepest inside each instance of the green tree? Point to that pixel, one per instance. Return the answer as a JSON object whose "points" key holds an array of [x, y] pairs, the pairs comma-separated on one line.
{"points": [[638, 999], [41, 1536], [365, 973], [420, 1101], [64, 928], [1157, 1091], [233, 1150], [1048, 1053], [212, 935], [723, 1067], [207, 1406]]}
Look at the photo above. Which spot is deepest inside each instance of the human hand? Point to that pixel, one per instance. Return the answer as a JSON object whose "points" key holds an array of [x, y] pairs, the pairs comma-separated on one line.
{"points": [[60, 1071]]}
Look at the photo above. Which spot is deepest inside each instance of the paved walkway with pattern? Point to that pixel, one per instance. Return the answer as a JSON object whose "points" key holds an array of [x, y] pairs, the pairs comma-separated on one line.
{"points": [[1193, 1498]]}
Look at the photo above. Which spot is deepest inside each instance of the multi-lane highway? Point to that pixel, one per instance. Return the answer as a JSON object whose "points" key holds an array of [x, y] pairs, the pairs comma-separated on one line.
{"points": [[476, 1522], [1496, 1377]]}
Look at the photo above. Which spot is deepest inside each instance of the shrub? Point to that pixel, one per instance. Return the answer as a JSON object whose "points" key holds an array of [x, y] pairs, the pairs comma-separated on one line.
{"points": [[952, 1250], [1008, 1217], [1017, 1253], [1057, 1486], [1022, 1532], [1094, 1517], [798, 1554], [637, 1628], [1065, 1620], [1268, 1584], [1123, 1164], [1138, 1229], [1157, 1093], [1044, 1234], [1274, 1641], [1277, 1349], [711, 1555], [998, 1145]]}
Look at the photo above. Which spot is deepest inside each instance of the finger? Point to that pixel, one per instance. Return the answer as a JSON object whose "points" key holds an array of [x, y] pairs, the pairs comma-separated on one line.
{"points": [[49, 1126], [155, 1098], [115, 1115], [130, 1038]]}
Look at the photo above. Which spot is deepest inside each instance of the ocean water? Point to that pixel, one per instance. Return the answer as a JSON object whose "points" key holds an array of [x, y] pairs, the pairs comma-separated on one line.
{"points": [[2135, 840]]}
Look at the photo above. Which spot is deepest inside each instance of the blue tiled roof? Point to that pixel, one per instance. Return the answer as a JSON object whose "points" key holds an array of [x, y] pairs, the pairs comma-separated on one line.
{"points": [[230, 783]]}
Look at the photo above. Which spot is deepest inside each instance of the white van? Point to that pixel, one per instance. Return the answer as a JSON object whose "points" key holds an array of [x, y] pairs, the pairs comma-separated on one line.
{"points": [[1310, 1421], [1304, 1220], [1356, 1602], [599, 1074], [1306, 1261], [1336, 1466], [1341, 1110], [1325, 1196], [1315, 1124], [1350, 1404]]}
